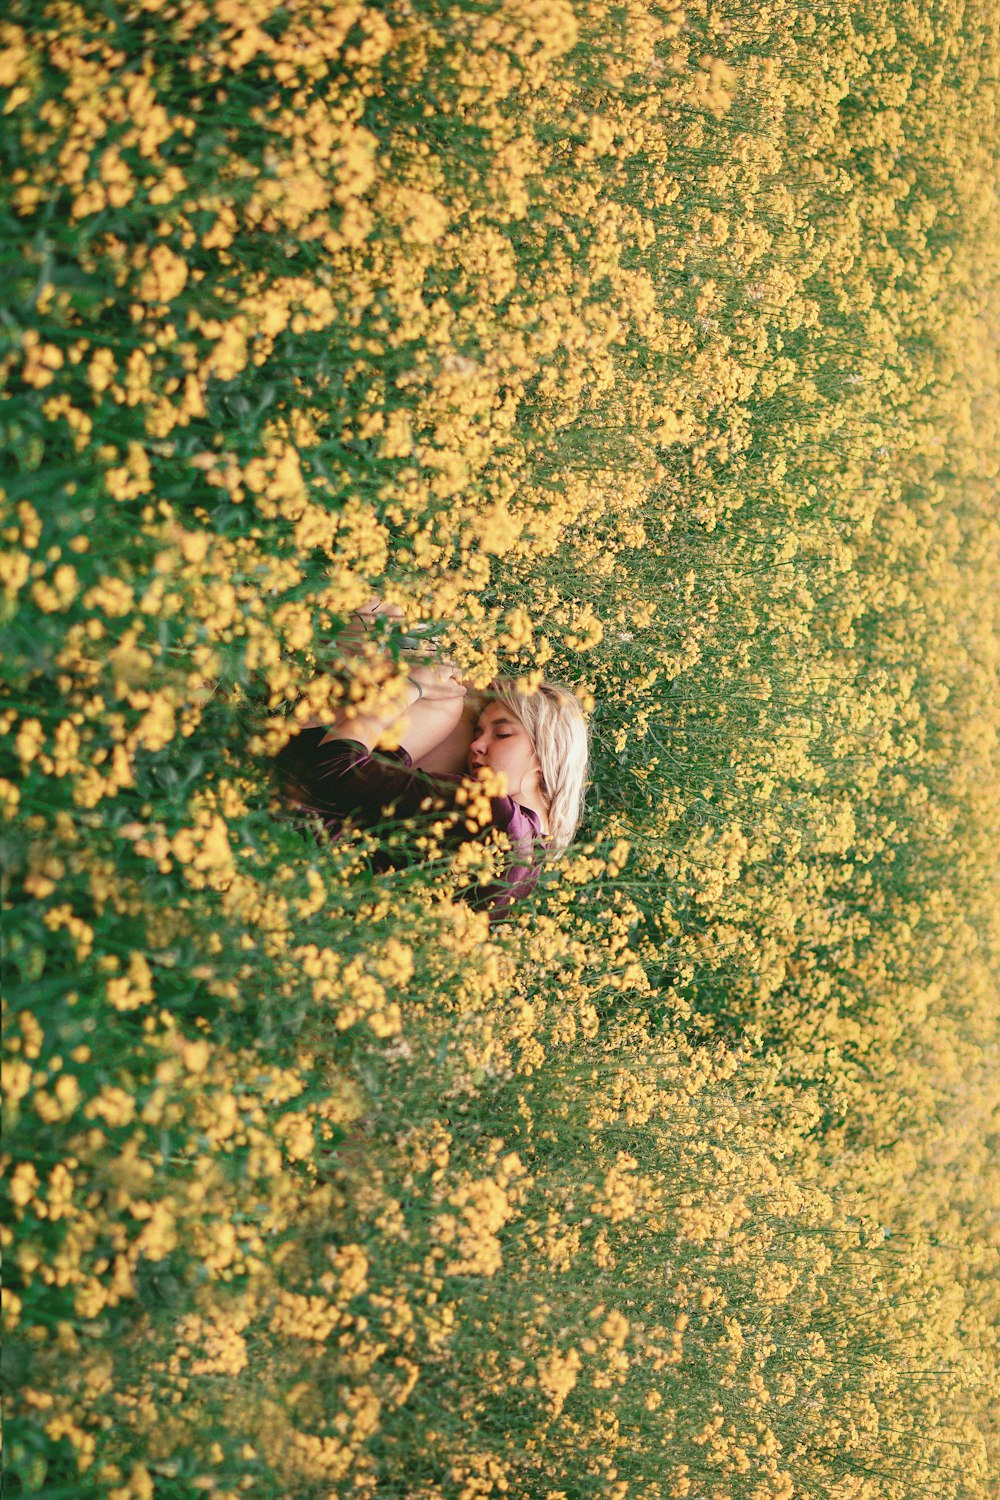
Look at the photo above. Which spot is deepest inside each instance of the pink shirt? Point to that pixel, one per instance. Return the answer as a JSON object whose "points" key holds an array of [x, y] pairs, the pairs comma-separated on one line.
{"points": [[343, 780]]}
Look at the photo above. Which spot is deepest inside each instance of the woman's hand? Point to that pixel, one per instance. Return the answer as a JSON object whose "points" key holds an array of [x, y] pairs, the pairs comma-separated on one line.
{"points": [[440, 681], [362, 622]]}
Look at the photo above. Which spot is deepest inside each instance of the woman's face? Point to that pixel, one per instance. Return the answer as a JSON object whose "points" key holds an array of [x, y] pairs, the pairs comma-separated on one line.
{"points": [[501, 742]]}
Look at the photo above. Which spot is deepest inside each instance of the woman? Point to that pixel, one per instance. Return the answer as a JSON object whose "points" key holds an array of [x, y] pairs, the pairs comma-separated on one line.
{"points": [[538, 741]]}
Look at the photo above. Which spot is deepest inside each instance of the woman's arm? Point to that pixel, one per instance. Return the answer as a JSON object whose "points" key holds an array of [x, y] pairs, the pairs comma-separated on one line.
{"points": [[432, 717], [435, 697], [449, 758]]}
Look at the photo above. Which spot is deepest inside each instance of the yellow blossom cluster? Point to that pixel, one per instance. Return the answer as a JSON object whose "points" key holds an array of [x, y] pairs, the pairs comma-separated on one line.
{"points": [[646, 346]]}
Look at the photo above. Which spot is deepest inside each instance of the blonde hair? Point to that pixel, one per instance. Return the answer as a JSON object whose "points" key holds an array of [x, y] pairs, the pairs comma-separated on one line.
{"points": [[558, 730]]}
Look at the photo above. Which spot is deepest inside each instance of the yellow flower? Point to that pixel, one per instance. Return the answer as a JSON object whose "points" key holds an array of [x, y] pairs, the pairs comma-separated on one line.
{"points": [[42, 361], [23, 1184], [164, 275]]}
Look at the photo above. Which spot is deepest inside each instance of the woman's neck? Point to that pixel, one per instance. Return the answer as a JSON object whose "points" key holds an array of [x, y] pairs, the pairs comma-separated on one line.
{"points": [[537, 805]]}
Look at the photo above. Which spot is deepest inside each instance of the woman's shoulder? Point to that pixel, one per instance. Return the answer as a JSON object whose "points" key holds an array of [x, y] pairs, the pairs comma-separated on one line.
{"points": [[517, 820], [538, 822]]}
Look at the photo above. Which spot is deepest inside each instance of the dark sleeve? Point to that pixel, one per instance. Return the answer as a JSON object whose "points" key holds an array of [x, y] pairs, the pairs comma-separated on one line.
{"points": [[343, 778]]}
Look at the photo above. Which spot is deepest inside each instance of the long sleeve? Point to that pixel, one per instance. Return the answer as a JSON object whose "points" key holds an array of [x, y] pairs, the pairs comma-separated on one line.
{"points": [[342, 779]]}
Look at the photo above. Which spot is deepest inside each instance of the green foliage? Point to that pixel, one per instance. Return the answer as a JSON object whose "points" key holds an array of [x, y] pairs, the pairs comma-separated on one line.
{"points": [[648, 350]]}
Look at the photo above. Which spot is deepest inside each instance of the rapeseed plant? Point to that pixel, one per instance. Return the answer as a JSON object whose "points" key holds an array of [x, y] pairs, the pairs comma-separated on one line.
{"points": [[645, 346]]}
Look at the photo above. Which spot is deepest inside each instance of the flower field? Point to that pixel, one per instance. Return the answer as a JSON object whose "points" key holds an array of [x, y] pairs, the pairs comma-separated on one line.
{"points": [[653, 348]]}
